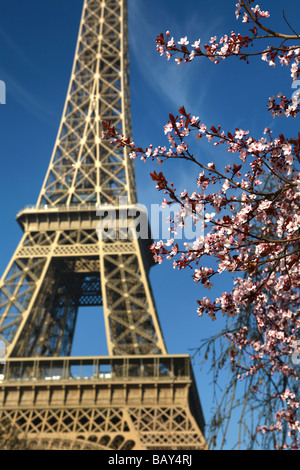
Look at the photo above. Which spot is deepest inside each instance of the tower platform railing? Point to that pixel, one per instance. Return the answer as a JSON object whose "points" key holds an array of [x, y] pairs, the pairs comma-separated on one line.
{"points": [[112, 368]]}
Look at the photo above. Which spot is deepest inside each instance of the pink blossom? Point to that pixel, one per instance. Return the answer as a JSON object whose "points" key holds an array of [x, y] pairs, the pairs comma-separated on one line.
{"points": [[184, 41], [226, 186], [196, 44], [255, 234], [133, 155]]}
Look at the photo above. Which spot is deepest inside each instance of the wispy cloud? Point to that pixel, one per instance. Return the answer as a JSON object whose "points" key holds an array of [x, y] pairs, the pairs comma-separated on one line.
{"points": [[164, 78], [16, 50], [15, 89], [31, 101], [186, 85]]}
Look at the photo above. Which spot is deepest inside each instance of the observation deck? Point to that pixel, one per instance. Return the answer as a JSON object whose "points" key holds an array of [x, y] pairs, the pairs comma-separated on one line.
{"points": [[103, 402]]}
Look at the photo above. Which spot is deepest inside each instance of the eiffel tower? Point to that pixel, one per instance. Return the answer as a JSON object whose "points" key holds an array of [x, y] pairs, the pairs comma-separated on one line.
{"points": [[138, 397]]}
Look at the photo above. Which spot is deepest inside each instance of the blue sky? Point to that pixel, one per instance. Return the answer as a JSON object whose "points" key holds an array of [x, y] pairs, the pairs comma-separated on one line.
{"points": [[36, 53]]}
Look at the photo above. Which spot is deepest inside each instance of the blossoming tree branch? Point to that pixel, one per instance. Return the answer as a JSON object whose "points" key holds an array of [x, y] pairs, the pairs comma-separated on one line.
{"points": [[251, 206]]}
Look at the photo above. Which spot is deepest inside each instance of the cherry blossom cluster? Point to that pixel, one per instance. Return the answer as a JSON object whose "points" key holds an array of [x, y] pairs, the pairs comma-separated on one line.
{"points": [[231, 239], [288, 416], [250, 212], [236, 44], [266, 262], [285, 107]]}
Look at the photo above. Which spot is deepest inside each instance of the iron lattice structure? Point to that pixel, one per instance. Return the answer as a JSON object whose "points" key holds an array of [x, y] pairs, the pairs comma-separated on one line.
{"points": [[147, 399]]}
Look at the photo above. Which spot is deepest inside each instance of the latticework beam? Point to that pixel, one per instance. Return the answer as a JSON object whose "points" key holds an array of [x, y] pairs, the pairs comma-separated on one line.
{"points": [[122, 403], [64, 261], [84, 168]]}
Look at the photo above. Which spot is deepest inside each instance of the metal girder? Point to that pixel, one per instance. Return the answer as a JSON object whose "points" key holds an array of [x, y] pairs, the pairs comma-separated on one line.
{"points": [[64, 262], [47, 281], [117, 403], [84, 168]]}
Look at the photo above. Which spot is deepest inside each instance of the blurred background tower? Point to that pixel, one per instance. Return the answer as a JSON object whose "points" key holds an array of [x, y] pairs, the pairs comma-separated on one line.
{"points": [[139, 396]]}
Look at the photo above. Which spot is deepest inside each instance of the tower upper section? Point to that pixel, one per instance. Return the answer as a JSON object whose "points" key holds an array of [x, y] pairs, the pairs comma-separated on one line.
{"points": [[84, 169]]}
